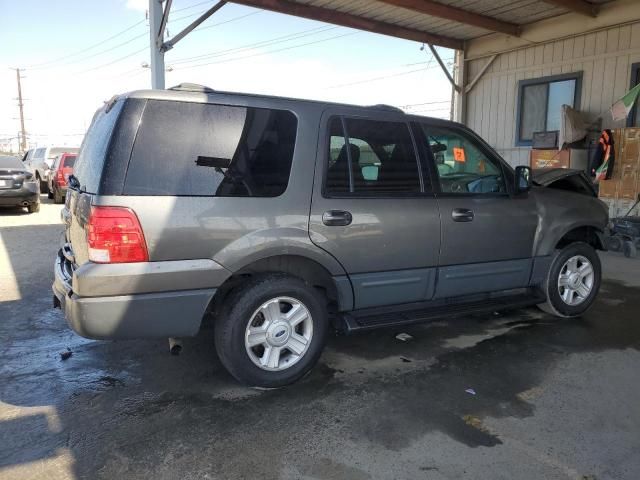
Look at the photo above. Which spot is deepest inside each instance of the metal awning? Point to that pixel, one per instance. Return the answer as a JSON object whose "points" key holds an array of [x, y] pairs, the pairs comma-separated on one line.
{"points": [[445, 23]]}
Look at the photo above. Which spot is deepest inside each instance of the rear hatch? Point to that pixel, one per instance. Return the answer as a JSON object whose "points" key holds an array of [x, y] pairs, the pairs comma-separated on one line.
{"points": [[87, 176], [12, 173]]}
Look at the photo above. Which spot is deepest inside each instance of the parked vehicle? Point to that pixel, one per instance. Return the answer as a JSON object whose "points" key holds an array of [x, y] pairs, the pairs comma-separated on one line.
{"points": [[258, 210], [59, 176], [40, 160], [18, 187]]}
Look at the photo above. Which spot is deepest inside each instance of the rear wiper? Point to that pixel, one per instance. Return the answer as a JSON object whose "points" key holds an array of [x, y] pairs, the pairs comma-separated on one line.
{"points": [[75, 183]]}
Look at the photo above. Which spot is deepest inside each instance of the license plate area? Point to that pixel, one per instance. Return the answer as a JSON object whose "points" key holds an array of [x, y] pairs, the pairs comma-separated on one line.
{"points": [[4, 183]]}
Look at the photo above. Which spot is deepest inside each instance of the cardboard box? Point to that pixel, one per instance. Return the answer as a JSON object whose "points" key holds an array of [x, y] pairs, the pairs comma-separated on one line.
{"points": [[624, 184]]}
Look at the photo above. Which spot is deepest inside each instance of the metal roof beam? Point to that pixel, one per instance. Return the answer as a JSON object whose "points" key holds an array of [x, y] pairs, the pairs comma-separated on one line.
{"points": [[352, 21], [168, 45], [579, 6], [455, 14]]}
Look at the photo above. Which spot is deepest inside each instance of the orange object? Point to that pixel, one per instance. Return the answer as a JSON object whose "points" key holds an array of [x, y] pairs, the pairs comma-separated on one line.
{"points": [[458, 154]]}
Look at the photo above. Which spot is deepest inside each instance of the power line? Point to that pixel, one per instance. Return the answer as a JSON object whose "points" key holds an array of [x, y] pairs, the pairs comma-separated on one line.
{"points": [[39, 65], [263, 43], [269, 52], [383, 77], [112, 62]]}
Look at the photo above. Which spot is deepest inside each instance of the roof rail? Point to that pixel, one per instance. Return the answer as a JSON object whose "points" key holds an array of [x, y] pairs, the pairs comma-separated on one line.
{"points": [[192, 87], [390, 108]]}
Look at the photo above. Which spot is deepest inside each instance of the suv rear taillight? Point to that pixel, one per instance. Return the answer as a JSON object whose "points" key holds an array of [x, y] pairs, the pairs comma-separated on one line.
{"points": [[114, 235]]}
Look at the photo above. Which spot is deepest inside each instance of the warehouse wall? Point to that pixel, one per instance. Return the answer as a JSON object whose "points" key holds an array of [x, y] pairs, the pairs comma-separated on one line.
{"points": [[605, 58]]}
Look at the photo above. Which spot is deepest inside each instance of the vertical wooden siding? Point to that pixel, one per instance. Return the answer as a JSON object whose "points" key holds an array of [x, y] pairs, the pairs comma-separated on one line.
{"points": [[604, 57]]}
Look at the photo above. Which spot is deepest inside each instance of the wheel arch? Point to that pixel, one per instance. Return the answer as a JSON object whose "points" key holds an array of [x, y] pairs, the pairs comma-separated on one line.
{"points": [[337, 289], [589, 234]]}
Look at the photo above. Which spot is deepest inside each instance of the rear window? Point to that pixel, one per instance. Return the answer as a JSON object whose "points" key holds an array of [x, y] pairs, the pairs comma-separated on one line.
{"points": [[88, 168], [211, 150], [11, 162], [69, 160]]}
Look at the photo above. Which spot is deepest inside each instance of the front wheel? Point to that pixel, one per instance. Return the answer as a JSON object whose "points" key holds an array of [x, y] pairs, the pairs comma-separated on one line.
{"points": [[573, 281], [271, 331]]}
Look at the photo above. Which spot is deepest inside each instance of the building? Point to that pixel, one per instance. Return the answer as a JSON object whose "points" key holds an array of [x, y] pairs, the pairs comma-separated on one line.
{"points": [[584, 61]]}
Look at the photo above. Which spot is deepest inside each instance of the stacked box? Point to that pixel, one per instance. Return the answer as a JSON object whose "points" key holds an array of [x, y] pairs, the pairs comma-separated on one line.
{"points": [[621, 191]]}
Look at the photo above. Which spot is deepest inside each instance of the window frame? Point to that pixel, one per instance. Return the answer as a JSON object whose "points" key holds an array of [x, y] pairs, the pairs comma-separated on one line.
{"points": [[635, 76], [479, 143], [424, 177], [577, 95]]}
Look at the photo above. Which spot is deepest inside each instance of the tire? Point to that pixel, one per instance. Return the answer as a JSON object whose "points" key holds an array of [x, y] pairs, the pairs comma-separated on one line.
{"points": [[50, 195], [629, 249], [44, 188], [578, 304], [34, 207], [57, 196], [248, 306]]}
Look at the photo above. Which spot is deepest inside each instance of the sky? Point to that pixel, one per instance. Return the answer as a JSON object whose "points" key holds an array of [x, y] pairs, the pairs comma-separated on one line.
{"points": [[76, 54]]}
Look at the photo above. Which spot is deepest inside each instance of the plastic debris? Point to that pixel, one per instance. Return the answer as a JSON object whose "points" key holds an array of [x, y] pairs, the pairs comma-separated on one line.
{"points": [[404, 337], [405, 359], [66, 355], [470, 391]]}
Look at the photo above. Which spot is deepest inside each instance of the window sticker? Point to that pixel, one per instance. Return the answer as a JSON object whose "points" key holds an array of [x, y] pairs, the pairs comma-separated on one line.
{"points": [[458, 154]]}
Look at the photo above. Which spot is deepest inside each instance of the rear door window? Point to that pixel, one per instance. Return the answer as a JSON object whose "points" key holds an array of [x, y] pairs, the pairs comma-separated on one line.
{"points": [[194, 149], [371, 157]]}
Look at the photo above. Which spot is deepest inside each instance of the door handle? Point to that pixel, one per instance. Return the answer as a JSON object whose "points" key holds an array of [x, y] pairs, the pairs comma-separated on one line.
{"points": [[462, 215], [336, 218]]}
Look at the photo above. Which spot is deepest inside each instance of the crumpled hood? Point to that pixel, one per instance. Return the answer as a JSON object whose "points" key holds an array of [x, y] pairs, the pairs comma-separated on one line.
{"points": [[565, 178]]}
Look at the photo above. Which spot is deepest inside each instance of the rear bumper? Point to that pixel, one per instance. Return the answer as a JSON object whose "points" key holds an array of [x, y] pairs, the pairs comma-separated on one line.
{"points": [[19, 196], [176, 313]]}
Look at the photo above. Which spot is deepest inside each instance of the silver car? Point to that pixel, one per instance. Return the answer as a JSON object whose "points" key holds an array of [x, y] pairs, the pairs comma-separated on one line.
{"points": [[40, 160], [285, 219]]}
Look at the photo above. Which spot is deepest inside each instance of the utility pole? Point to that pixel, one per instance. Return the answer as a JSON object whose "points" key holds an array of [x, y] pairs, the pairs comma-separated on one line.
{"points": [[157, 54], [23, 142]]}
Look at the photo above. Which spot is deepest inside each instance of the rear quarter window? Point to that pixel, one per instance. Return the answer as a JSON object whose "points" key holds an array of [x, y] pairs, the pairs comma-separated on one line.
{"points": [[90, 161], [191, 149]]}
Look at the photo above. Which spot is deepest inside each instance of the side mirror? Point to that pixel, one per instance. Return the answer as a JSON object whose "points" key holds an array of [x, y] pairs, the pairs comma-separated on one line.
{"points": [[523, 179]]}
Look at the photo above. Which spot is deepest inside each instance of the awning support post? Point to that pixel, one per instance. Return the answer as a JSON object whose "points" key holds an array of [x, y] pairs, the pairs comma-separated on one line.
{"points": [[444, 67], [169, 44]]}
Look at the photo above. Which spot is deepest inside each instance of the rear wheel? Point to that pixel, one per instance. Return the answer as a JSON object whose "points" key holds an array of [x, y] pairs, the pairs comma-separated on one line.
{"points": [[34, 207], [57, 196], [573, 280], [271, 330], [50, 195], [44, 188]]}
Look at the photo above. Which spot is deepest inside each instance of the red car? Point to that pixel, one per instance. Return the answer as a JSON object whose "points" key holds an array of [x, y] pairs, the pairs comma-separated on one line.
{"points": [[59, 176]]}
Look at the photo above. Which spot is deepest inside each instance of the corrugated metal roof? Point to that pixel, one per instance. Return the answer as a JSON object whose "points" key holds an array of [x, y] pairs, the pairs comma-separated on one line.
{"points": [[514, 12]]}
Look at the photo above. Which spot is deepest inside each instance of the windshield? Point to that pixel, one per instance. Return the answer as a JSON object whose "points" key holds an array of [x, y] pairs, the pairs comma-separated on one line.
{"points": [[11, 162]]}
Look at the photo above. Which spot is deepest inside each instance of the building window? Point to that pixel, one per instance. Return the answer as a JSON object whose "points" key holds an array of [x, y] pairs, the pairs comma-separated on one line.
{"points": [[540, 101], [633, 120]]}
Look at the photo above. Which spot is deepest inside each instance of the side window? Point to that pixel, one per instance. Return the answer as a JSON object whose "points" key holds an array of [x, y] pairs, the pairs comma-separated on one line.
{"points": [[39, 154], [214, 150], [461, 164], [379, 158]]}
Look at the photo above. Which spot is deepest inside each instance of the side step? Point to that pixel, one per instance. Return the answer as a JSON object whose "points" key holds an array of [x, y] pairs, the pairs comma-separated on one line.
{"points": [[368, 319]]}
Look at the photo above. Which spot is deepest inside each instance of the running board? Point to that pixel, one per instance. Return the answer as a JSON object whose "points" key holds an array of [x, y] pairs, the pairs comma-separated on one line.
{"points": [[368, 319]]}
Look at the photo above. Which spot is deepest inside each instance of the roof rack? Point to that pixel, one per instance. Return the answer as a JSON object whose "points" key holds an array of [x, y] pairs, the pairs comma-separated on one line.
{"points": [[192, 87], [390, 108]]}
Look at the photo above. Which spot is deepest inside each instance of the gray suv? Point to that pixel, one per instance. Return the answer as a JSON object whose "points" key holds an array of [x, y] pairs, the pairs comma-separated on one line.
{"points": [[286, 219]]}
